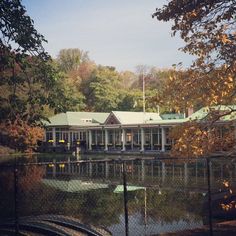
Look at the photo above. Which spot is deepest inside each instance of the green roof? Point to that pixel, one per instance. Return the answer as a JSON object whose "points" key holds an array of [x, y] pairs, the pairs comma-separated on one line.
{"points": [[203, 112], [78, 119], [172, 116], [126, 118], [84, 119]]}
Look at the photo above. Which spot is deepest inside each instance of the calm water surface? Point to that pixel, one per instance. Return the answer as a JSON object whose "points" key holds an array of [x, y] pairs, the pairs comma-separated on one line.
{"points": [[173, 198]]}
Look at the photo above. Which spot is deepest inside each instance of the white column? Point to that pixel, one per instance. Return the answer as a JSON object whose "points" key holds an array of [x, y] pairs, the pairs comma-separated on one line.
{"points": [[106, 140], [123, 134], [68, 141], [90, 139], [163, 139], [142, 140], [54, 136], [87, 140]]}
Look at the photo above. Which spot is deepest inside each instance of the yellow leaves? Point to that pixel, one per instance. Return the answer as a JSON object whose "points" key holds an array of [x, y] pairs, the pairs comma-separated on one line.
{"points": [[228, 206], [226, 183], [193, 13], [230, 79], [225, 207], [225, 39], [194, 139]]}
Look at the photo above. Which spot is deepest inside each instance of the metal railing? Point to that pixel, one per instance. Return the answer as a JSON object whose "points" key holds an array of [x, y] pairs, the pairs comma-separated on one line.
{"points": [[132, 196]]}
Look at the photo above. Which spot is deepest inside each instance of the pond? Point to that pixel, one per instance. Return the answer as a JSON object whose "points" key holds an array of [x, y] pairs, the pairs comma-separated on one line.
{"points": [[171, 197]]}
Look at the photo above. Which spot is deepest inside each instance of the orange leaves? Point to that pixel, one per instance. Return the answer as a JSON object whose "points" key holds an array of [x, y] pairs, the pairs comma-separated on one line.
{"points": [[22, 136], [208, 29], [195, 139], [226, 183], [224, 39], [228, 204]]}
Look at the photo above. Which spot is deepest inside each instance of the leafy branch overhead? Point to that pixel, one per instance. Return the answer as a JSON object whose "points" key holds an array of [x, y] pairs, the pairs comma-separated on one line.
{"points": [[209, 31], [18, 31]]}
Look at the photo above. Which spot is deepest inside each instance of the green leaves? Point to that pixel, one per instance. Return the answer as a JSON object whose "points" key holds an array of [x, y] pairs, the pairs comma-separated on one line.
{"points": [[18, 28]]}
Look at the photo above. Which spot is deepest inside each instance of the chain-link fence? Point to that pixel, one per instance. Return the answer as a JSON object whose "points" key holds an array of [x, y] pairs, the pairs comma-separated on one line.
{"points": [[117, 197]]}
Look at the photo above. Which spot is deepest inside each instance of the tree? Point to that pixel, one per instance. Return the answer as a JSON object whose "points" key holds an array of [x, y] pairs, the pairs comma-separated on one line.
{"points": [[70, 59], [208, 29], [17, 29], [25, 71], [75, 69], [104, 90]]}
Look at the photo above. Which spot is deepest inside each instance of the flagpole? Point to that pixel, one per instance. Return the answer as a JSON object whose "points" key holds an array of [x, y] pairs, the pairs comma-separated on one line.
{"points": [[143, 77]]}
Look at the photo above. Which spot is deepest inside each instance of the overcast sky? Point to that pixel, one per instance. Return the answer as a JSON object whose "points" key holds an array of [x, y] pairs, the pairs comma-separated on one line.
{"points": [[119, 33]]}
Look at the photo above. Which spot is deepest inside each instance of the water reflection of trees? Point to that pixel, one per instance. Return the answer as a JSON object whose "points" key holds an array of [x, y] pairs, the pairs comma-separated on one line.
{"points": [[28, 177], [97, 207]]}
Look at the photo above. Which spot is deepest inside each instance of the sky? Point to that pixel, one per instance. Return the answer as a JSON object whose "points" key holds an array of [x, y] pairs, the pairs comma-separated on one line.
{"points": [[119, 33]]}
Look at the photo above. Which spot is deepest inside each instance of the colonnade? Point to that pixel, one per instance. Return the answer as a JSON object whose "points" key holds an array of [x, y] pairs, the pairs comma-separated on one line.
{"points": [[108, 139], [125, 139]]}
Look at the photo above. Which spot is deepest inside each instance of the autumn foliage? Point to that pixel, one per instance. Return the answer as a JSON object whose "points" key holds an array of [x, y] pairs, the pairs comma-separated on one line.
{"points": [[28, 177], [196, 139], [20, 135]]}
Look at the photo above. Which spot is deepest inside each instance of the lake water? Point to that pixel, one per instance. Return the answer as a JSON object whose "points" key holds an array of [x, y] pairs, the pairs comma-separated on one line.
{"points": [[173, 200]]}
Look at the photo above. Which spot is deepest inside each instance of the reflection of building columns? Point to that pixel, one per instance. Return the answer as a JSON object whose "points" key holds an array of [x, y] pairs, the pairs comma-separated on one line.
{"points": [[185, 173], [106, 140], [142, 170], [54, 168], [54, 136], [211, 172], [106, 169], [90, 139], [142, 139], [123, 134], [196, 172], [163, 171], [90, 169], [163, 139]]}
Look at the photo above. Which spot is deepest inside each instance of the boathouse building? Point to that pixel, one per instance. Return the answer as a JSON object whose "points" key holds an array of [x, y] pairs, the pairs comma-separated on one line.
{"points": [[117, 130]]}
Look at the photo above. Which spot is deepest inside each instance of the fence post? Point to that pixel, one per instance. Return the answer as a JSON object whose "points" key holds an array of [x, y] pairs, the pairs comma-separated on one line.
{"points": [[125, 200], [16, 200], [209, 196]]}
